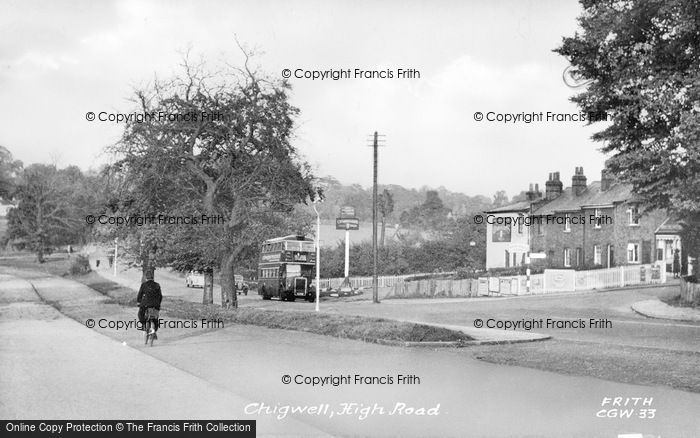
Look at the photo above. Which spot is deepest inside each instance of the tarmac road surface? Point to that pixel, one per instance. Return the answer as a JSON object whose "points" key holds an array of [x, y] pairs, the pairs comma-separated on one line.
{"points": [[55, 368]]}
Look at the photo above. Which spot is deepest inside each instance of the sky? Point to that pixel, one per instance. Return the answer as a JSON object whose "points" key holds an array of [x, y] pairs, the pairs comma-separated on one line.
{"points": [[62, 59]]}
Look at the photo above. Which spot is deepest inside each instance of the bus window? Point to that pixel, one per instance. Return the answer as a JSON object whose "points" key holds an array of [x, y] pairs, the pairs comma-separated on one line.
{"points": [[293, 271]]}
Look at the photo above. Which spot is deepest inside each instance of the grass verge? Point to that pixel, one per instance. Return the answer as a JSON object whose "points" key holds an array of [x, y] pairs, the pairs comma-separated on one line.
{"points": [[617, 363], [677, 301]]}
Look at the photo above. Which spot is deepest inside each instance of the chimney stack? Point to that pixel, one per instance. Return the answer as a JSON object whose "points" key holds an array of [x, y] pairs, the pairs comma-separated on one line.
{"points": [[578, 182], [606, 180], [553, 187], [534, 193]]}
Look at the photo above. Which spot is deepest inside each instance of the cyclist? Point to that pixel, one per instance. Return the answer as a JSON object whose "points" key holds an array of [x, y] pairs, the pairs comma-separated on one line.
{"points": [[148, 300]]}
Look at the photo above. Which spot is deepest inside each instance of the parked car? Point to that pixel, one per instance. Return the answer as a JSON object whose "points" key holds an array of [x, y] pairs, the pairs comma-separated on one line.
{"points": [[241, 285], [194, 279]]}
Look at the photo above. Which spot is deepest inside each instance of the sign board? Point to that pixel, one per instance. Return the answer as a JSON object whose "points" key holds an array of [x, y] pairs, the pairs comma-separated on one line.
{"points": [[518, 247], [347, 212], [559, 280], [483, 288], [538, 255], [504, 286], [273, 257], [348, 223]]}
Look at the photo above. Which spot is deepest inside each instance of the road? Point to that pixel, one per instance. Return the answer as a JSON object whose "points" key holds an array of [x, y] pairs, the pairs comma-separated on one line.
{"points": [[54, 367], [626, 328], [173, 285]]}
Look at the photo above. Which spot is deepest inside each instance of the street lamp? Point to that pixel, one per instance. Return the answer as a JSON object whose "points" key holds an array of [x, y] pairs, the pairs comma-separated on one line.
{"points": [[318, 256]]}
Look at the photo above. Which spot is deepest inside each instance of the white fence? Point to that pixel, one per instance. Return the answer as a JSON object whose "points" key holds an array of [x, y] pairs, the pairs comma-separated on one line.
{"points": [[567, 280], [551, 281], [365, 282]]}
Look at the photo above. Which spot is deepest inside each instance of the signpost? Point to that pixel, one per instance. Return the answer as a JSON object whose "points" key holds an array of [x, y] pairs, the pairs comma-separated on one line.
{"points": [[348, 222]]}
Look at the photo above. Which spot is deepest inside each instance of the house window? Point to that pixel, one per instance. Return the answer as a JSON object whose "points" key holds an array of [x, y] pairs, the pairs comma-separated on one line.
{"points": [[633, 215], [597, 213], [520, 224], [597, 255], [515, 259], [567, 223], [507, 259], [540, 231], [567, 257], [633, 253]]}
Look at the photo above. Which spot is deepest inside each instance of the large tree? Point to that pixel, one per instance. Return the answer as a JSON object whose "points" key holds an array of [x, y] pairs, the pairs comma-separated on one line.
{"points": [[385, 204], [227, 150], [51, 208], [642, 61], [9, 172]]}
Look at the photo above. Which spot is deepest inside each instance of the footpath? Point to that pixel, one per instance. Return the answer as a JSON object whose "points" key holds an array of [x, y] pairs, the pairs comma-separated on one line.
{"points": [[661, 310], [53, 367]]}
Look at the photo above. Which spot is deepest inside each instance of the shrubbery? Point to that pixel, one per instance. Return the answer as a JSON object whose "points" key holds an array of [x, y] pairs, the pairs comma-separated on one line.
{"points": [[401, 259], [80, 265]]}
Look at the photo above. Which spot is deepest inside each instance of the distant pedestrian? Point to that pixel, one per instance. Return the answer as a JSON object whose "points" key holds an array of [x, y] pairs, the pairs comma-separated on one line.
{"points": [[676, 263]]}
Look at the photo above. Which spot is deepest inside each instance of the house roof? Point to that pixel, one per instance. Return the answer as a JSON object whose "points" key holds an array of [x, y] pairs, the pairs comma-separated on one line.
{"points": [[516, 206], [592, 197]]}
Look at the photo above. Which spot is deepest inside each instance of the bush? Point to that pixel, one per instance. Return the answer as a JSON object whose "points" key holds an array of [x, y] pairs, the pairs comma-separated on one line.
{"points": [[518, 270], [80, 265]]}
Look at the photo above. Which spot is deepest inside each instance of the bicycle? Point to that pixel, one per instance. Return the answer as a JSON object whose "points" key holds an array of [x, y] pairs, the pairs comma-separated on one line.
{"points": [[151, 323]]}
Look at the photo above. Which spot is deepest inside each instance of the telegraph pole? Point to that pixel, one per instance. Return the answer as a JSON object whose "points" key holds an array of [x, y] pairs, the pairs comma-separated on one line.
{"points": [[318, 256], [375, 285]]}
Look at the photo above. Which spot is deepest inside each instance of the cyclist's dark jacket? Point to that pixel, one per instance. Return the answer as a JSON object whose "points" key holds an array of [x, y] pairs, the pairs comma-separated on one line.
{"points": [[150, 295]]}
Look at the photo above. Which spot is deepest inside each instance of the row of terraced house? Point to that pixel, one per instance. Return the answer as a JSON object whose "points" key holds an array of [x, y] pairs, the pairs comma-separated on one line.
{"points": [[585, 226]]}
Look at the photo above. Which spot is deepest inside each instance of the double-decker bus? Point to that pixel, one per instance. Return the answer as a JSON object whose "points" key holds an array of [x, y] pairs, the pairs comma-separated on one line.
{"points": [[286, 268]]}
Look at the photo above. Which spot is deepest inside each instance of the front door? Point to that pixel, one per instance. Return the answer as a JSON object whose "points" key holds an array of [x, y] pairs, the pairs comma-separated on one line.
{"points": [[611, 256]]}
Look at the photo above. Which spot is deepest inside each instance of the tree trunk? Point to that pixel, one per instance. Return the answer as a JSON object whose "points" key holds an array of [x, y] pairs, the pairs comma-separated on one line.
{"points": [[144, 267], [381, 239], [208, 289], [147, 265], [229, 298]]}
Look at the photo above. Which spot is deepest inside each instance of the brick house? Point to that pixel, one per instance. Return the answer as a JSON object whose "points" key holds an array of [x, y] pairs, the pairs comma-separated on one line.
{"points": [[594, 225]]}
